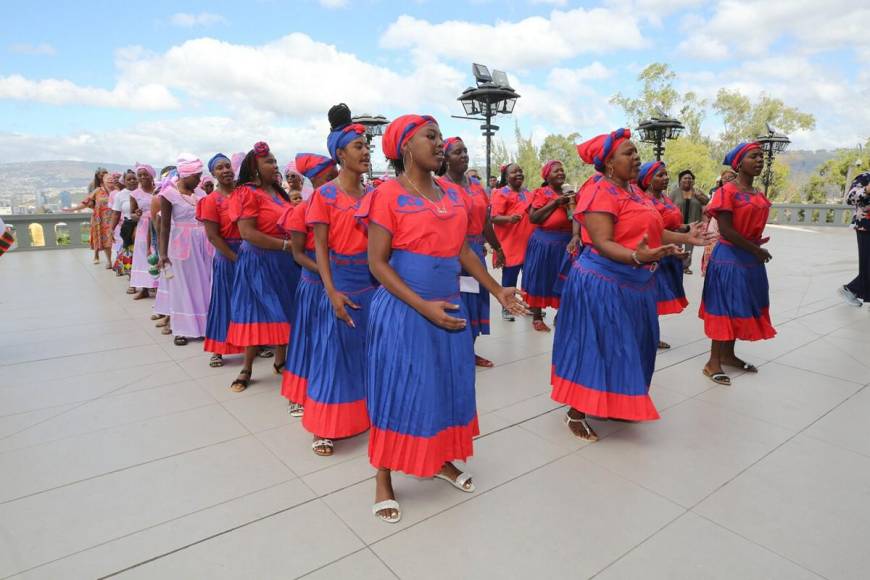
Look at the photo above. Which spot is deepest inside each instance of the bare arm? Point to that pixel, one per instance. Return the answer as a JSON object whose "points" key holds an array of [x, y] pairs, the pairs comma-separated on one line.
{"points": [[727, 231], [297, 241], [116, 217], [338, 299], [540, 215], [600, 228], [213, 232], [163, 235]]}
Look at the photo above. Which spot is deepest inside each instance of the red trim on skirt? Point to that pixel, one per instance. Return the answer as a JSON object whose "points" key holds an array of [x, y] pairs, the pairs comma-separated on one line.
{"points": [[294, 388], [541, 301], [674, 306], [258, 333], [335, 420], [421, 456], [602, 403], [218, 347], [724, 328]]}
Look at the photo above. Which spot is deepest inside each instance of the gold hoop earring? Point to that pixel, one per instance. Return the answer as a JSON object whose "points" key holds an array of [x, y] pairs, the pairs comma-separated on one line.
{"points": [[610, 173]]}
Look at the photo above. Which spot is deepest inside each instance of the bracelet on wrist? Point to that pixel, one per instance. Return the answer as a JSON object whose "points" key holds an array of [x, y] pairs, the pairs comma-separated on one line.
{"points": [[636, 259]]}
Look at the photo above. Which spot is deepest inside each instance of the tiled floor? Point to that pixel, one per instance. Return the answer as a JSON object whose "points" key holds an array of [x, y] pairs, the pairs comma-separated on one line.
{"points": [[122, 455]]}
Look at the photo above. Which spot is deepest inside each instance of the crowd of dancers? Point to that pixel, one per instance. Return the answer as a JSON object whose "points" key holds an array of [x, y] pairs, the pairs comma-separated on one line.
{"points": [[372, 294]]}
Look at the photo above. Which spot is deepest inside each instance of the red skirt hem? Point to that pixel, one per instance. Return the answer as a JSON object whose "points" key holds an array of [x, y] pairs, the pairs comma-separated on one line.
{"points": [[724, 328], [421, 456], [294, 388], [541, 301], [603, 404], [674, 306], [335, 420], [258, 333], [218, 347]]}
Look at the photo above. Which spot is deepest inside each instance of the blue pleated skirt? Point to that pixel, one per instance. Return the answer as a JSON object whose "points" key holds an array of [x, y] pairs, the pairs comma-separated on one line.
{"points": [[420, 376], [477, 305], [545, 257], [735, 304], [262, 299], [335, 402], [670, 294], [309, 294], [605, 344], [218, 321]]}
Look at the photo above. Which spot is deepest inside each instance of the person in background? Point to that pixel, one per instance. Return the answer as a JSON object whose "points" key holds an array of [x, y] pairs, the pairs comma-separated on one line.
{"points": [[726, 176], [122, 222], [140, 209], [492, 183], [101, 238], [857, 291], [317, 168], [473, 174], [691, 202], [207, 184], [6, 237]]}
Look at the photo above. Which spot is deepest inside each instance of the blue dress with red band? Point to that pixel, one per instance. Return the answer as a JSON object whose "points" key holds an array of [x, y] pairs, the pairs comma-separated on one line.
{"points": [[546, 252], [604, 347], [262, 297], [476, 303], [670, 293], [335, 400], [215, 208], [735, 304], [420, 376]]}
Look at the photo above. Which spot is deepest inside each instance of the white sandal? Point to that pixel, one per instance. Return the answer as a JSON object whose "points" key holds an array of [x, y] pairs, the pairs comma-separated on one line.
{"points": [[323, 443], [389, 504], [296, 410], [593, 436], [459, 482]]}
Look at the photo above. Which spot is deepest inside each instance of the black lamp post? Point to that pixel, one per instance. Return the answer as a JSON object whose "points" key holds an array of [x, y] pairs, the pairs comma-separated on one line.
{"points": [[772, 144], [492, 96], [374, 125], [659, 129]]}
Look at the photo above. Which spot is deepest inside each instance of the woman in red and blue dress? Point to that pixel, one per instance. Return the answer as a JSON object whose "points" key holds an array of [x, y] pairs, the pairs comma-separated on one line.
{"points": [[335, 400], [736, 300], [319, 169], [261, 306], [670, 294], [605, 344], [420, 354], [510, 219], [479, 231], [549, 244], [223, 233]]}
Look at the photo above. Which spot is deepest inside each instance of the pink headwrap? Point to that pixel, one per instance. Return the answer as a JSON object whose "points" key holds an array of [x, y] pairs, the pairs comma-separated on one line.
{"points": [[236, 162], [148, 169], [548, 167], [188, 167], [205, 179]]}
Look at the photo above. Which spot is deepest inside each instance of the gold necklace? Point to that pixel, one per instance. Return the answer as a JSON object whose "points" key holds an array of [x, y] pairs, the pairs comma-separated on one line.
{"points": [[440, 208]]}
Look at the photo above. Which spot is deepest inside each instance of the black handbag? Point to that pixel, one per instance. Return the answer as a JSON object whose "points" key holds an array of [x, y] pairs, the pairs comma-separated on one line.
{"points": [[128, 231]]}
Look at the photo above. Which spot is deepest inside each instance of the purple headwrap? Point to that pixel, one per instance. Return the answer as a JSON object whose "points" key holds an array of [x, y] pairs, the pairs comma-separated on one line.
{"points": [[148, 169]]}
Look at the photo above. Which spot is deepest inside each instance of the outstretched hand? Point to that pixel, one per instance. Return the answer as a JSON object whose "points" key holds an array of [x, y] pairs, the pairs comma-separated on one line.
{"points": [[698, 237], [648, 255], [510, 299]]}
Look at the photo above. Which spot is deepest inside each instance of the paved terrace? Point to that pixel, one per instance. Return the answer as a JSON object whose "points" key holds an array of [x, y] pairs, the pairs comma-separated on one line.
{"points": [[123, 455]]}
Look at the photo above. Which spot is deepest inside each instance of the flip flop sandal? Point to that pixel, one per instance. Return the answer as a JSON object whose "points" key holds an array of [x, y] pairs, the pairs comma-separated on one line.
{"points": [[163, 322], [180, 341], [278, 368], [540, 326], [589, 435], [157, 316], [383, 506], [131, 290], [663, 345], [265, 353], [483, 362], [216, 361], [462, 482], [243, 383], [323, 447], [745, 367], [166, 330], [718, 378], [296, 410]]}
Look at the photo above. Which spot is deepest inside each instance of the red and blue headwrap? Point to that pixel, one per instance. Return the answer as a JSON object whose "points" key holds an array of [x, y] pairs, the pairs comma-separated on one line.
{"points": [[647, 172], [449, 143], [548, 168], [261, 149], [342, 137], [311, 164], [214, 161], [400, 130], [599, 149], [736, 155]]}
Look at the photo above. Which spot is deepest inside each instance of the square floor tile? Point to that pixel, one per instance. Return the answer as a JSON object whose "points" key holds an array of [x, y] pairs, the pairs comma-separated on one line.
{"points": [[846, 426], [362, 565]]}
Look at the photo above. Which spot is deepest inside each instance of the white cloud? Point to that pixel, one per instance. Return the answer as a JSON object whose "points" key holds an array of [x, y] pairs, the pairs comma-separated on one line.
{"points": [[187, 20], [333, 4], [552, 2], [577, 79], [127, 95], [531, 42], [41, 49]]}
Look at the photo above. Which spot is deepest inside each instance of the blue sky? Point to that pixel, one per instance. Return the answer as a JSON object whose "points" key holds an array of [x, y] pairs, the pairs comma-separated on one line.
{"points": [[120, 82]]}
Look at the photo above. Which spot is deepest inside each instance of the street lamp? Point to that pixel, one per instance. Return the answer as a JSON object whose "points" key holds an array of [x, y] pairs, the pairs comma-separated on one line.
{"points": [[374, 125], [493, 95], [658, 129], [772, 144]]}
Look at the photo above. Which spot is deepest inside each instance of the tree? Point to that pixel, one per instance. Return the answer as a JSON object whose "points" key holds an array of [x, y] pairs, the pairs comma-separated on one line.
{"points": [[564, 148], [683, 153], [528, 158], [500, 156], [829, 181]]}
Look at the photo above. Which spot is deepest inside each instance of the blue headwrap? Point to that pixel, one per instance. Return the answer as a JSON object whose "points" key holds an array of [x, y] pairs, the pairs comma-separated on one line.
{"points": [[736, 155], [342, 137], [214, 161], [647, 172]]}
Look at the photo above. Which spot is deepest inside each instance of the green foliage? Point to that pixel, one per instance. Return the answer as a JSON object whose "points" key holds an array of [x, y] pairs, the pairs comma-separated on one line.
{"points": [[829, 181], [683, 153], [745, 120], [564, 148]]}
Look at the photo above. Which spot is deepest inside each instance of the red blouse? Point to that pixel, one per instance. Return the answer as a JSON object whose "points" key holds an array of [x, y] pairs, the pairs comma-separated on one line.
{"points": [[633, 213], [556, 221], [513, 237], [476, 199], [215, 207], [251, 202], [748, 208], [331, 206], [671, 214], [293, 220], [417, 224]]}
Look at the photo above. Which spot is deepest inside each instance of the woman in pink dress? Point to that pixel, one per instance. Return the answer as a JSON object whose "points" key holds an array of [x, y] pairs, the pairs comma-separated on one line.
{"points": [[140, 207], [185, 251]]}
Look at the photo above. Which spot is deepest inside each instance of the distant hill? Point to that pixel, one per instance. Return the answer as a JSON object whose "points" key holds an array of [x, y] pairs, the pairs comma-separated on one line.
{"points": [[804, 163], [21, 182]]}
